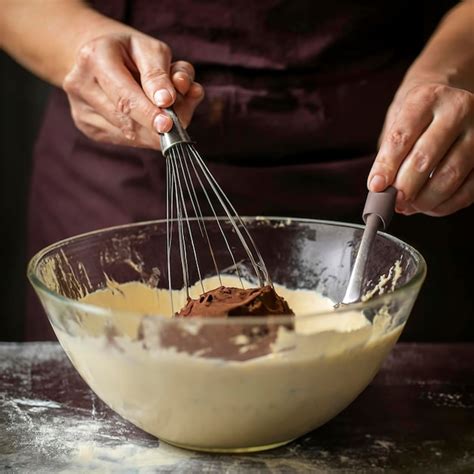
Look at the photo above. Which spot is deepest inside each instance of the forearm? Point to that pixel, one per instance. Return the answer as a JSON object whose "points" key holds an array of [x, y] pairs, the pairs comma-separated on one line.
{"points": [[449, 55], [45, 35]]}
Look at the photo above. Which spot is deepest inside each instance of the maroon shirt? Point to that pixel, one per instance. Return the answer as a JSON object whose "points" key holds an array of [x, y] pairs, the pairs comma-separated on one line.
{"points": [[296, 94]]}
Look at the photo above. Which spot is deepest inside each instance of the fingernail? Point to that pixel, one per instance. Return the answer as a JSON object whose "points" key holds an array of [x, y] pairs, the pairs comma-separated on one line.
{"points": [[162, 123], [377, 183], [162, 97]]}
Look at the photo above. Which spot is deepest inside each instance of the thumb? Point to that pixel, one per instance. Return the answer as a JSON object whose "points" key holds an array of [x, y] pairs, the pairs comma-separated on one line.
{"points": [[153, 60]]}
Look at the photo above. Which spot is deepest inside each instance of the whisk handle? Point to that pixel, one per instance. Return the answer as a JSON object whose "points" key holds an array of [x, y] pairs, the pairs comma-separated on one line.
{"points": [[176, 135]]}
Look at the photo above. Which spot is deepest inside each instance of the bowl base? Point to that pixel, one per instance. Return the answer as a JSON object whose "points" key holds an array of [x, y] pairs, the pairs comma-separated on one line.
{"points": [[249, 449]]}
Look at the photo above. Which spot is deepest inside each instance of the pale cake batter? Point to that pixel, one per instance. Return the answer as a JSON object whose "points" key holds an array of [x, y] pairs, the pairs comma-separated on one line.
{"points": [[311, 374]]}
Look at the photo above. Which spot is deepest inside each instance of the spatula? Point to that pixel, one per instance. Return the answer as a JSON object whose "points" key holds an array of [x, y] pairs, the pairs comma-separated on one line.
{"points": [[377, 214]]}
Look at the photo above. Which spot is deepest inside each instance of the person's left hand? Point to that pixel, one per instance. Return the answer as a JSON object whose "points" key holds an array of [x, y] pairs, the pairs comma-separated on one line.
{"points": [[427, 149]]}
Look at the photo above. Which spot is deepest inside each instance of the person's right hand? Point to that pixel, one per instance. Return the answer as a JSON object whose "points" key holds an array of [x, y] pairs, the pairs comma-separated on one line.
{"points": [[118, 84]]}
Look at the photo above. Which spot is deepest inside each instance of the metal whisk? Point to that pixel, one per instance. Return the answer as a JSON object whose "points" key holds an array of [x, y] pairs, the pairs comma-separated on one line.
{"points": [[187, 176]]}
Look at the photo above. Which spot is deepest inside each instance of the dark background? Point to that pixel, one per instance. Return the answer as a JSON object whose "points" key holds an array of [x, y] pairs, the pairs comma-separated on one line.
{"points": [[445, 307], [22, 98]]}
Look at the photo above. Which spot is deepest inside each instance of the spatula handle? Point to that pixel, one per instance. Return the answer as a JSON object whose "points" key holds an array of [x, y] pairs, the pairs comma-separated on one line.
{"points": [[381, 204]]}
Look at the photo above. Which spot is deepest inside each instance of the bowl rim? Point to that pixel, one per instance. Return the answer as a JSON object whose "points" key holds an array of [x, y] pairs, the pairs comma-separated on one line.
{"points": [[39, 286]]}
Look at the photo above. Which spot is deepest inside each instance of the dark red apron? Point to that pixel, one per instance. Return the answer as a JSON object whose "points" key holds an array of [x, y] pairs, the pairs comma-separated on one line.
{"points": [[296, 93]]}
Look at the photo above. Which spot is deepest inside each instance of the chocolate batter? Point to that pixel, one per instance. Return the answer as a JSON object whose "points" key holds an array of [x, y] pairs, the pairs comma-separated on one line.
{"points": [[229, 301], [229, 341]]}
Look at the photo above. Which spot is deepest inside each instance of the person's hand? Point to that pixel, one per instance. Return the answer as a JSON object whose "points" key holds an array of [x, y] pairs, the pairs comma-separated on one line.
{"points": [[427, 149], [118, 84]]}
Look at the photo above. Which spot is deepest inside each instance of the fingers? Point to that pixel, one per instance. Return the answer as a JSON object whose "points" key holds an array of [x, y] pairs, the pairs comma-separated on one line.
{"points": [[425, 155], [153, 59], [96, 117], [182, 75], [158, 87], [124, 92], [392, 112], [448, 177], [159, 78], [98, 128], [126, 80], [102, 130], [185, 106], [462, 198], [401, 135], [95, 99]]}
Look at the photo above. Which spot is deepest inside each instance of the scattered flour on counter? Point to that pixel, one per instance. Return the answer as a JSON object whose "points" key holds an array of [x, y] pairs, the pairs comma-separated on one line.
{"points": [[36, 403], [29, 352], [451, 400], [65, 440], [61, 438], [101, 458]]}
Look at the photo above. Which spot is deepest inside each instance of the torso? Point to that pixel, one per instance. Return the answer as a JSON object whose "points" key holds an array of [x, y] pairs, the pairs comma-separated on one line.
{"points": [[296, 93]]}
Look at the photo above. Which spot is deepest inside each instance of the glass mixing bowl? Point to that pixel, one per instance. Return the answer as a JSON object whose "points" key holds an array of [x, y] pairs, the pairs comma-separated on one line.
{"points": [[230, 384]]}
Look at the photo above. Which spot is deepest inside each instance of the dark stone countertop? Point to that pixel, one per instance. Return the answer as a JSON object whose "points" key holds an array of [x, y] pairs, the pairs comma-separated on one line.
{"points": [[416, 416]]}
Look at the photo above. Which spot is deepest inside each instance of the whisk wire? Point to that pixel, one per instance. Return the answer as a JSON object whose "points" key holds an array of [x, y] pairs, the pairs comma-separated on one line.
{"points": [[234, 219], [209, 201], [169, 226], [176, 158], [196, 207], [187, 176], [181, 235]]}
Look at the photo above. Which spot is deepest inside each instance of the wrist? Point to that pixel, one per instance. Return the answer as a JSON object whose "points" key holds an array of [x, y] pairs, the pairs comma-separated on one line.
{"points": [[448, 57], [418, 74], [450, 77]]}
